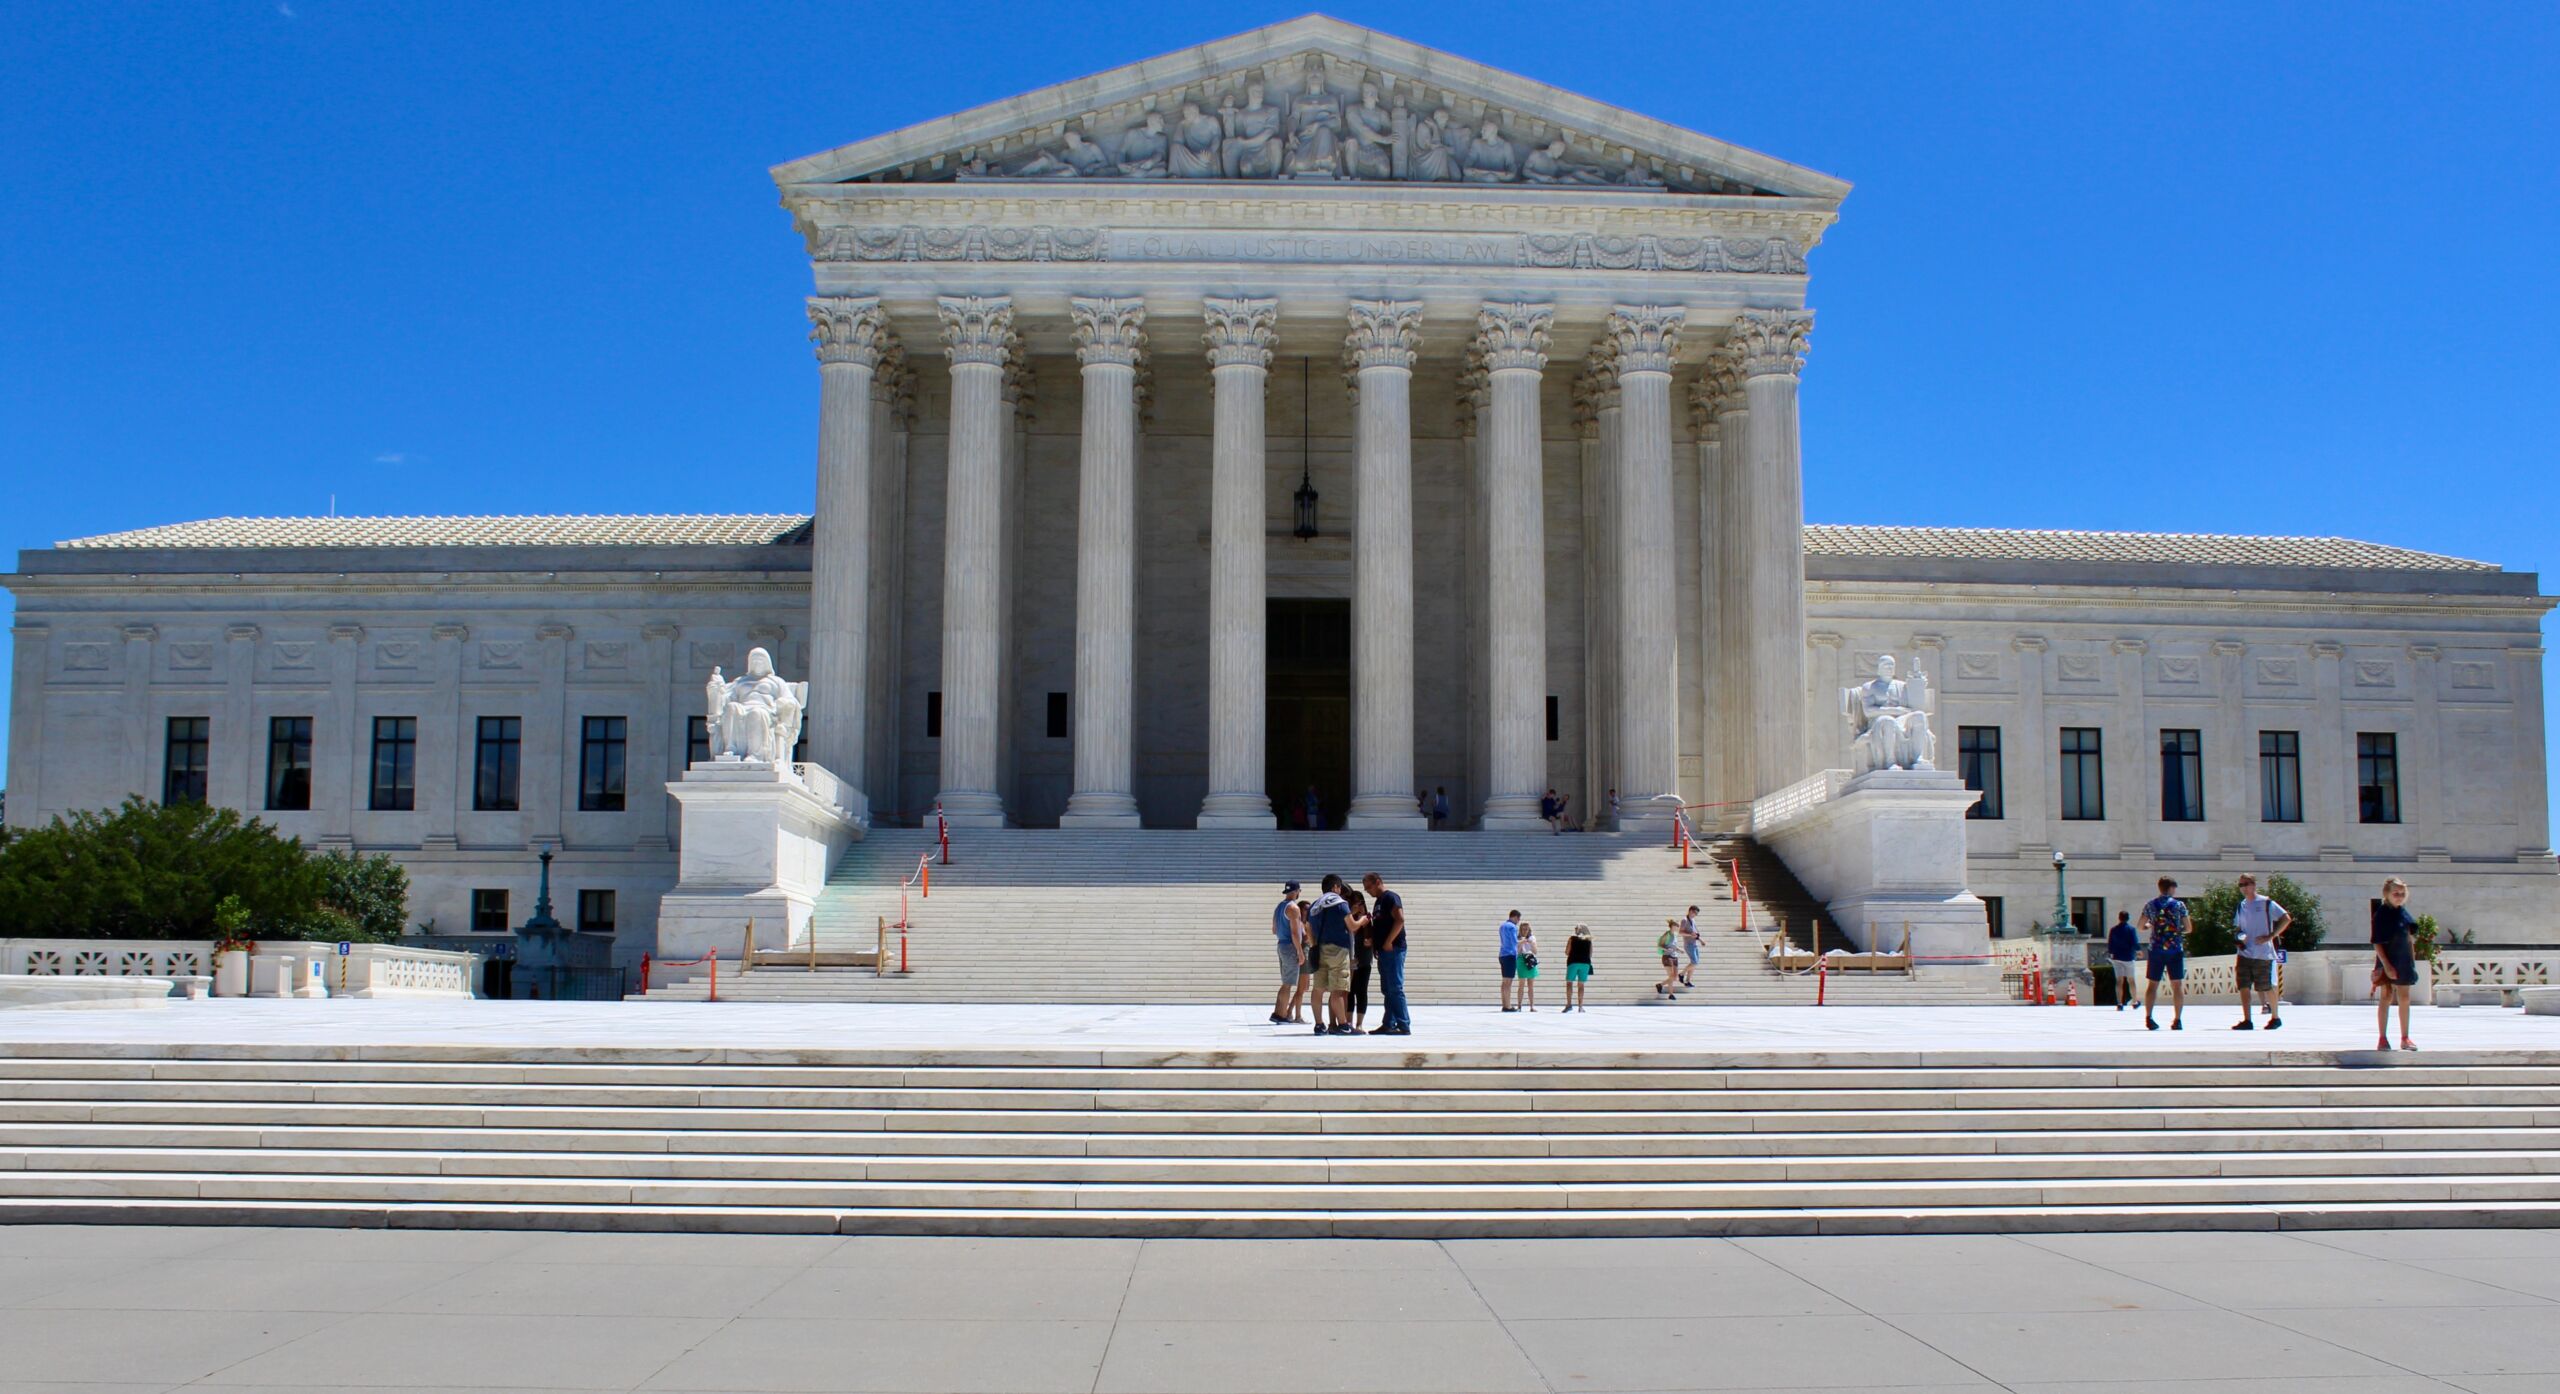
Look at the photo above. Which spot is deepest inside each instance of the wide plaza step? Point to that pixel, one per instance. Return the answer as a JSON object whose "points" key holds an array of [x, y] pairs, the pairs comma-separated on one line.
{"points": [[1347, 1138]]}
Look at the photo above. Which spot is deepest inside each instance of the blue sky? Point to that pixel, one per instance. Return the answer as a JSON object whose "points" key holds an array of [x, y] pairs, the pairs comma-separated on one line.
{"points": [[2244, 268]]}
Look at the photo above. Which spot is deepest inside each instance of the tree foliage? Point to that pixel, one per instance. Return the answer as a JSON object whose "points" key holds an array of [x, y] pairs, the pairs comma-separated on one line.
{"points": [[2211, 913], [189, 871]]}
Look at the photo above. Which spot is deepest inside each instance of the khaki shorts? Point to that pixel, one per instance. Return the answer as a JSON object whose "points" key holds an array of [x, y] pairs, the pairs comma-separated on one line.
{"points": [[2256, 974], [1333, 969]]}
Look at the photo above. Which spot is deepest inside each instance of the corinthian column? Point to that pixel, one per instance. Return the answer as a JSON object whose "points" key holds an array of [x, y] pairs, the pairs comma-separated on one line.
{"points": [[1109, 335], [1646, 337], [1729, 700], [851, 336], [1240, 337], [978, 335], [1771, 347], [1511, 339], [1384, 334]]}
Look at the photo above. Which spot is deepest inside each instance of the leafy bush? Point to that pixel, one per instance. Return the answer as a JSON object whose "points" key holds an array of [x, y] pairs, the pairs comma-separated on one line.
{"points": [[189, 871], [2211, 912]]}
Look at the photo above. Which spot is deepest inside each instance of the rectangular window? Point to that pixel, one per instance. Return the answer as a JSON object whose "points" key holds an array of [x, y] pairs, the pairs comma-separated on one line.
{"points": [[601, 745], [2089, 914], [1057, 716], [933, 716], [497, 764], [2084, 789], [395, 764], [1995, 916], [2377, 777], [489, 912], [289, 763], [697, 741], [595, 912], [2182, 776], [1978, 757], [800, 746], [2280, 776], [1555, 719], [188, 757]]}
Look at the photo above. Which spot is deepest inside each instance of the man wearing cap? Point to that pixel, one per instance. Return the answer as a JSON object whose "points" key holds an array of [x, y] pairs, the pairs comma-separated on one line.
{"points": [[2164, 917], [2260, 923], [1289, 927]]}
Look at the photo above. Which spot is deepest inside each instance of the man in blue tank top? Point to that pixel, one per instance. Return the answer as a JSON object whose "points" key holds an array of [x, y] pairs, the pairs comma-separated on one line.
{"points": [[1289, 929]]}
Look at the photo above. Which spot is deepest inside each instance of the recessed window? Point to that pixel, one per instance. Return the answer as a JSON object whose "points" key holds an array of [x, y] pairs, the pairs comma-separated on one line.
{"points": [[2280, 776], [1978, 759], [933, 716], [395, 764], [188, 758], [697, 741], [497, 764], [2089, 914], [1057, 716], [2182, 776], [1995, 916], [489, 912], [289, 764], [595, 912], [1555, 718], [2084, 790], [602, 745], [2377, 777]]}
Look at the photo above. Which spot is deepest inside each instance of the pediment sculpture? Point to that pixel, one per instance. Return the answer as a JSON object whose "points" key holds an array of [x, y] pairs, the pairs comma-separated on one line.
{"points": [[1889, 721], [755, 716]]}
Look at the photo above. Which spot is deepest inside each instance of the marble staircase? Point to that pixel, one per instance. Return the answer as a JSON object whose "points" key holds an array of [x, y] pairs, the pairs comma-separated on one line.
{"points": [[1361, 1140]]}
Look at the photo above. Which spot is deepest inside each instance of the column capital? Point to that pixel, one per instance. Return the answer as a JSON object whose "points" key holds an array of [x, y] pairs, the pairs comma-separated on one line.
{"points": [[2327, 648], [1109, 330], [849, 329], [1020, 388], [239, 633], [2131, 645], [976, 328], [553, 632], [2028, 643], [1720, 380], [1825, 639], [2425, 653], [1384, 334], [1644, 338], [2230, 648], [450, 630], [1475, 389], [341, 633], [889, 376], [1514, 334], [1770, 343], [1241, 330]]}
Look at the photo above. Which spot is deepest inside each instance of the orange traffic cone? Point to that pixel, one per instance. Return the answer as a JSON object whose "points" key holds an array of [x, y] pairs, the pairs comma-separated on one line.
{"points": [[2071, 995]]}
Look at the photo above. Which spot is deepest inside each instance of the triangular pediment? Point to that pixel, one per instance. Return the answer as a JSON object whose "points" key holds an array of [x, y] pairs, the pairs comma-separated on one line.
{"points": [[1379, 110]]}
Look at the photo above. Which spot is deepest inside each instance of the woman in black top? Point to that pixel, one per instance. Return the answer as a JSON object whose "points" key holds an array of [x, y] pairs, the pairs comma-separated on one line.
{"points": [[1364, 954], [2395, 962], [1577, 970]]}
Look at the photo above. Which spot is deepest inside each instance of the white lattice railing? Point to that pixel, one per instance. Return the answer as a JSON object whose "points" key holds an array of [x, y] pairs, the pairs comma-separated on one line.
{"points": [[2497, 967], [107, 958], [370, 970], [1771, 812], [388, 970]]}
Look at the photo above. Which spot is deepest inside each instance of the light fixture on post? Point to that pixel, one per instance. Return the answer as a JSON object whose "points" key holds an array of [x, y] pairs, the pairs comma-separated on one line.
{"points": [[1306, 495]]}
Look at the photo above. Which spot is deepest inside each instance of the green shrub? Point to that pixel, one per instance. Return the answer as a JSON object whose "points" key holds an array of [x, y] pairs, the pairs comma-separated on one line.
{"points": [[2211, 913], [189, 871]]}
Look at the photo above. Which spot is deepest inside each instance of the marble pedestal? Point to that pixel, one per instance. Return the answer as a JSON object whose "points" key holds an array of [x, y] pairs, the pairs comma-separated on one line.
{"points": [[756, 845], [1885, 852]]}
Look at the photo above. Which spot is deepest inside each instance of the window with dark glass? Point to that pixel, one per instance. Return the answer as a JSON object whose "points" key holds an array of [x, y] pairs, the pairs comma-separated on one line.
{"points": [[489, 912], [289, 763], [1978, 758], [2280, 776], [187, 759], [395, 764], [697, 741], [2377, 777], [497, 764], [800, 746], [2089, 914], [2182, 776], [2084, 790], [1555, 718], [933, 716], [595, 912], [1995, 916], [1057, 716], [601, 748]]}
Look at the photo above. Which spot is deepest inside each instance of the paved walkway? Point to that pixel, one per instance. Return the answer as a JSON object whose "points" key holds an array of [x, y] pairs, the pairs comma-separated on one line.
{"points": [[901, 1026], [135, 1310]]}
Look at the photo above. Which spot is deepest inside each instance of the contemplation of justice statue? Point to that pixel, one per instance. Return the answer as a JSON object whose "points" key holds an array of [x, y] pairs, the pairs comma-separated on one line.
{"points": [[1889, 721], [755, 716]]}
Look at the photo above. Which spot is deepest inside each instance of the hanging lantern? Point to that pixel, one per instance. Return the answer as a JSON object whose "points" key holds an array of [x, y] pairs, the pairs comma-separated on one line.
{"points": [[1306, 495]]}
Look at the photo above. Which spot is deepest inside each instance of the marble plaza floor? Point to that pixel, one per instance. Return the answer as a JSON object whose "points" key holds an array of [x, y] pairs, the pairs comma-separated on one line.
{"points": [[148, 1310], [781, 1027]]}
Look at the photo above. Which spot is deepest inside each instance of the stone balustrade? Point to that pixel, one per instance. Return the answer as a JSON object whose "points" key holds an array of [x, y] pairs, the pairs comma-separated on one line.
{"points": [[369, 970]]}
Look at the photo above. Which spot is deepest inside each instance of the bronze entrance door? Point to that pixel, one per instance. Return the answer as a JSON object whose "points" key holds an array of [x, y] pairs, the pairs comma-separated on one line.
{"points": [[1309, 717]]}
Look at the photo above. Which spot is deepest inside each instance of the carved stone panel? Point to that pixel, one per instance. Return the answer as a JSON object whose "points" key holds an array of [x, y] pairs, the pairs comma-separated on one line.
{"points": [[84, 657], [1977, 667], [502, 655], [294, 655], [2474, 675], [190, 656], [2179, 669]]}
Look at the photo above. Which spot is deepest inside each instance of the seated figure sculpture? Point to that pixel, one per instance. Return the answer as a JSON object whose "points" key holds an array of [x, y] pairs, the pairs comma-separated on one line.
{"points": [[1889, 721], [757, 715]]}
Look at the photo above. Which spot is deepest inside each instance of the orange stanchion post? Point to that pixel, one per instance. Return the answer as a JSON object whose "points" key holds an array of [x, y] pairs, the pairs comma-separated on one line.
{"points": [[644, 975], [715, 977], [902, 950], [1821, 980], [942, 832]]}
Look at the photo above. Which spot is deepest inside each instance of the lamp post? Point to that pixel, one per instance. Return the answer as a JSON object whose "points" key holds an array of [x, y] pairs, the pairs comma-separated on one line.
{"points": [[2061, 896]]}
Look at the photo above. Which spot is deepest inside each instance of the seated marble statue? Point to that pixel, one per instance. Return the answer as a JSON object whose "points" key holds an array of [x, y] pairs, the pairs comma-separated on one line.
{"points": [[1439, 145], [1081, 159], [1369, 147], [1196, 138], [1889, 722], [756, 716], [1315, 131], [1549, 164], [1251, 149], [1142, 149], [1490, 158]]}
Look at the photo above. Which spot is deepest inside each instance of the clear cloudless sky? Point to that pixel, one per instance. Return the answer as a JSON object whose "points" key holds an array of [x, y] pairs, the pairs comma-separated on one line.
{"points": [[2282, 268]]}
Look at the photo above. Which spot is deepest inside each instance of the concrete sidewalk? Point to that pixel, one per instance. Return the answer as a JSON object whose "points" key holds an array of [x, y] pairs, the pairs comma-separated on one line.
{"points": [[147, 1309]]}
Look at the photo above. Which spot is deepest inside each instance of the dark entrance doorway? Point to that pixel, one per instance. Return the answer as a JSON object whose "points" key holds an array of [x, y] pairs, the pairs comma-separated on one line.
{"points": [[1309, 716]]}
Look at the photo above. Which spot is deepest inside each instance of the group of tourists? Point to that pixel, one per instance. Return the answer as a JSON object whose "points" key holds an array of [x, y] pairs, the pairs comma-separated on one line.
{"points": [[1329, 951], [2259, 923]]}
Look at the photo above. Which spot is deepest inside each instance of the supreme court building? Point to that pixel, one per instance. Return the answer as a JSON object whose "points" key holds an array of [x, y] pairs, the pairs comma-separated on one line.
{"points": [[1308, 419]]}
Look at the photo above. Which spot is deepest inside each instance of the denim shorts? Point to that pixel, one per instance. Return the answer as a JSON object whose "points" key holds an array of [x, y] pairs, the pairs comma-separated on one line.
{"points": [[1288, 964]]}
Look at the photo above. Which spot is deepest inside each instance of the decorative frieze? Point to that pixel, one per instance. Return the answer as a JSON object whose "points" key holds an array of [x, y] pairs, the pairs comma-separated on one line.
{"points": [[1575, 251]]}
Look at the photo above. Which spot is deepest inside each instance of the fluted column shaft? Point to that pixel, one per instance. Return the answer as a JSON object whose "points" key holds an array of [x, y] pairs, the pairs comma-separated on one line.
{"points": [[977, 331], [850, 334], [1384, 338], [1730, 667], [1772, 349], [1240, 335], [1648, 714], [1512, 340], [1109, 334]]}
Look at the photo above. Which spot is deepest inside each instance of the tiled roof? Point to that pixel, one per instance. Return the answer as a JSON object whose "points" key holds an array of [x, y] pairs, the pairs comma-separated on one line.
{"points": [[2156, 548], [572, 530]]}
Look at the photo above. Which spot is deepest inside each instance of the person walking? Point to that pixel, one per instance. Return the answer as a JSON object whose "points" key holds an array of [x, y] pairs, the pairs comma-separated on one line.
{"points": [[1577, 970], [1506, 955], [1362, 953], [2164, 916], [1332, 918], [1440, 808], [1528, 968], [1689, 945], [1289, 928], [2395, 961], [1386, 926], [1668, 945], [2124, 945], [2260, 924]]}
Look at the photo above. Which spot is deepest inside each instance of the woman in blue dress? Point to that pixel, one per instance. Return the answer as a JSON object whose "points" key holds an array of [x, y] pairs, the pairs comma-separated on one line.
{"points": [[2395, 961]]}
